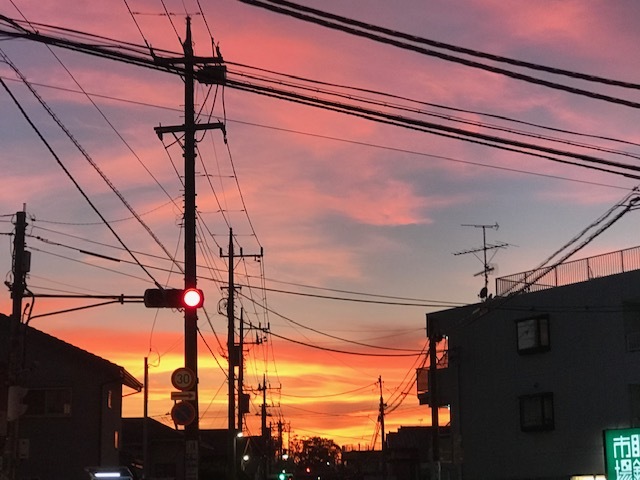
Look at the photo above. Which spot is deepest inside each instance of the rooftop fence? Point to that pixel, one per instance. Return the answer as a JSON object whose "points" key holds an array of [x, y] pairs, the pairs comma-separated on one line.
{"points": [[570, 272]]}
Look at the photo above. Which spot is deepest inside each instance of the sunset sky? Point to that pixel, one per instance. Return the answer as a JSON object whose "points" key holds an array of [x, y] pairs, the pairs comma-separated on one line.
{"points": [[358, 220]]}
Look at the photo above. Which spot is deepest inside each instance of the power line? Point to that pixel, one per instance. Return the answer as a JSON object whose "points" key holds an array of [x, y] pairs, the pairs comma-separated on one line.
{"points": [[389, 148], [335, 350], [353, 342], [441, 116], [360, 300], [444, 131], [390, 119], [331, 395], [401, 301], [379, 93], [78, 187], [296, 13], [447, 46], [429, 104], [86, 155], [133, 17], [423, 154], [604, 222]]}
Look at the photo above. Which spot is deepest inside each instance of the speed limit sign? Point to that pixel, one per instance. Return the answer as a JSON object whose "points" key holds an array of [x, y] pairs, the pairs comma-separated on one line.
{"points": [[183, 378]]}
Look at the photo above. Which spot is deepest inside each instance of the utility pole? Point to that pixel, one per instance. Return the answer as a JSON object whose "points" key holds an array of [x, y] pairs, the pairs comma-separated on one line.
{"points": [[266, 433], [231, 342], [243, 398], [145, 423], [268, 452], [280, 425], [192, 430], [241, 372], [233, 358], [383, 449], [434, 337], [16, 349], [484, 293]]}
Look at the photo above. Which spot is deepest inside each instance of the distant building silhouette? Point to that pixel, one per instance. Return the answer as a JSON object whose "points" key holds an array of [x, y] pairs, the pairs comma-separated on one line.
{"points": [[407, 456]]}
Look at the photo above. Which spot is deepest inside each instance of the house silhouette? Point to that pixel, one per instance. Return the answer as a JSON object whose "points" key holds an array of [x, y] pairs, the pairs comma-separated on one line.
{"points": [[73, 416]]}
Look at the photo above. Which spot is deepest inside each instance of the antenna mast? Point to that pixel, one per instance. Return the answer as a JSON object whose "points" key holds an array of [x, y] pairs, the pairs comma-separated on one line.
{"points": [[484, 249]]}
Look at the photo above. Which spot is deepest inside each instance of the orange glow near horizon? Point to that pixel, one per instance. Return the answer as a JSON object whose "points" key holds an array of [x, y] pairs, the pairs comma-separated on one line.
{"points": [[319, 396]]}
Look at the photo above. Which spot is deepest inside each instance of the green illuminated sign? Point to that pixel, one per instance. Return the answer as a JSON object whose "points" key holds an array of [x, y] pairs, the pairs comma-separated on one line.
{"points": [[622, 453]]}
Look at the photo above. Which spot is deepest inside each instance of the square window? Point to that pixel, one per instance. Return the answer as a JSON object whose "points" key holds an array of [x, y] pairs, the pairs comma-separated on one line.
{"points": [[536, 412], [533, 334]]}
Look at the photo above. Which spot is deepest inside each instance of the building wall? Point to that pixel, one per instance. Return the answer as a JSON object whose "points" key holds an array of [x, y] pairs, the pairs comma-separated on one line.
{"points": [[111, 422], [587, 369]]}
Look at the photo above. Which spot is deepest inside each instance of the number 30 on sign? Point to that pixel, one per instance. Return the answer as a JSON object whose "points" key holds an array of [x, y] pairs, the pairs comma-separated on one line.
{"points": [[183, 378]]}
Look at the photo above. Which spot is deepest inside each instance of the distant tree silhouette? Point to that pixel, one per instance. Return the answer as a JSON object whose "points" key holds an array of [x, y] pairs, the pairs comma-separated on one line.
{"points": [[316, 457]]}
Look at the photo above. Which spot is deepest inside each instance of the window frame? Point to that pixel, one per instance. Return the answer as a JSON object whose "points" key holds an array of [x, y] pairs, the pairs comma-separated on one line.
{"points": [[50, 399], [540, 336], [543, 419]]}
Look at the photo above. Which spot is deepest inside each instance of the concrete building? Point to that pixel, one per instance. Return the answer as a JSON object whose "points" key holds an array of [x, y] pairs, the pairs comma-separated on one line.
{"points": [[535, 375], [73, 418]]}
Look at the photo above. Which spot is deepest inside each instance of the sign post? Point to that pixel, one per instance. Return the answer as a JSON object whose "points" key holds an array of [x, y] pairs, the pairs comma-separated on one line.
{"points": [[183, 412]]}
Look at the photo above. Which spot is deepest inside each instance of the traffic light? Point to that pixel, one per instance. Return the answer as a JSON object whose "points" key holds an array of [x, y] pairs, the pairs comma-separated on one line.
{"points": [[173, 298]]}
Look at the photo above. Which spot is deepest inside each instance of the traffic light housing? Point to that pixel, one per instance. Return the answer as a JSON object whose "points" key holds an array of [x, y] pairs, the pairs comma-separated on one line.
{"points": [[173, 298]]}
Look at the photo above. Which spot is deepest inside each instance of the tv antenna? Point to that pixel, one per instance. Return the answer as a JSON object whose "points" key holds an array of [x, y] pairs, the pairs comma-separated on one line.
{"points": [[486, 247]]}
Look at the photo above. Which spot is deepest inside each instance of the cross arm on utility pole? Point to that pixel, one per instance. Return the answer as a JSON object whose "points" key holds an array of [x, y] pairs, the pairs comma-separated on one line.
{"points": [[191, 58], [161, 130]]}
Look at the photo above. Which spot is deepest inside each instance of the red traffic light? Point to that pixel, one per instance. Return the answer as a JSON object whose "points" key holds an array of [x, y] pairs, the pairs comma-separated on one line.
{"points": [[173, 298], [192, 297]]}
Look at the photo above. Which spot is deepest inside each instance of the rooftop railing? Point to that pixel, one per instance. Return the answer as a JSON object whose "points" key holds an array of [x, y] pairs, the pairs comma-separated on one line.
{"points": [[570, 272]]}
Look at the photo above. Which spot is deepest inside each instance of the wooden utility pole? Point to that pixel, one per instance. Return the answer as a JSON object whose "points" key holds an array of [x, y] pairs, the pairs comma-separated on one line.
{"points": [[266, 433], [16, 350], [241, 372], [434, 337], [145, 423], [232, 352], [383, 448], [234, 361], [192, 430]]}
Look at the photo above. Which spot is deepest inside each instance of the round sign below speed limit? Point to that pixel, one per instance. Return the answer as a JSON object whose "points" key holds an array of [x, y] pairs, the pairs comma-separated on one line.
{"points": [[183, 413], [183, 378]]}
